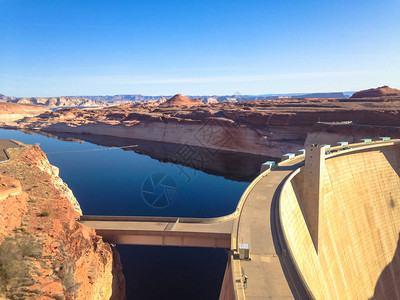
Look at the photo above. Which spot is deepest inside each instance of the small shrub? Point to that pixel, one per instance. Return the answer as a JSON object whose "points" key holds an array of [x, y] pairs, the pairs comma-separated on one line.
{"points": [[14, 274], [29, 247], [8, 251], [66, 274], [37, 291], [14, 268], [45, 214]]}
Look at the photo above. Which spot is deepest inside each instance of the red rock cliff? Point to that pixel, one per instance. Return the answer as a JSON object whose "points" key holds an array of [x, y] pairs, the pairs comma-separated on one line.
{"points": [[52, 255]]}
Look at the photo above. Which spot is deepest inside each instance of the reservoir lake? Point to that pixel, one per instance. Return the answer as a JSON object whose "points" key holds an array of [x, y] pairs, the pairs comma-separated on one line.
{"points": [[115, 181]]}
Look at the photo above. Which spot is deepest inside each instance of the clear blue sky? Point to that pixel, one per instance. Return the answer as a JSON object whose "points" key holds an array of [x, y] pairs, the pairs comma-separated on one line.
{"points": [[71, 47]]}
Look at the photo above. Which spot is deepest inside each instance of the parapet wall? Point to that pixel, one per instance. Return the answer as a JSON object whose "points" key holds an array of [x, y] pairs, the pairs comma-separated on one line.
{"points": [[359, 252]]}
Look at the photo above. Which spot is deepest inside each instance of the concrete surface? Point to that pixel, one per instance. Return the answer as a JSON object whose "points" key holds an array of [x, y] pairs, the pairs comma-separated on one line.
{"points": [[162, 233], [357, 228], [359, 247]]}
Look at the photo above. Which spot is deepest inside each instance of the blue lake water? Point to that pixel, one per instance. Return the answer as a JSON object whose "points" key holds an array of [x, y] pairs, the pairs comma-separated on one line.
{"points": [[118, 182]]}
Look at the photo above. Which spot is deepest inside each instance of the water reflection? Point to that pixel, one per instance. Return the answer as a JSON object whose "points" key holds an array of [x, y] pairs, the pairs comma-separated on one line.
{"points": [[230, 165]]}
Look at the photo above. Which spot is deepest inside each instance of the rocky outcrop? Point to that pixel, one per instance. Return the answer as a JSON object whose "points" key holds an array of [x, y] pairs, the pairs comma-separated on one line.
{"points": [[13, 205], [179, 100], [377, 92], [332, 133], [267, 127], [54, 256], [44, 165], [12, 111]]}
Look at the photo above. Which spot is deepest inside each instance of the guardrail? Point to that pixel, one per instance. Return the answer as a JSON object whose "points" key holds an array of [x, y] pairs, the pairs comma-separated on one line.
{"points": [[8, 155]]}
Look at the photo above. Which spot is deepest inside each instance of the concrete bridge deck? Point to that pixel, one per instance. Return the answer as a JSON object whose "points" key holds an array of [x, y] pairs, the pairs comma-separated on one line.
{"points": [[161, 231]]}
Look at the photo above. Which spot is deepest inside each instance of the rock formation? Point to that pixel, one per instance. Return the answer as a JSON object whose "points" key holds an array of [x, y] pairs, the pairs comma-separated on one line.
{"points": [[14, 111], [179, 100], [45, 253], [263, 127], [383, 91]]}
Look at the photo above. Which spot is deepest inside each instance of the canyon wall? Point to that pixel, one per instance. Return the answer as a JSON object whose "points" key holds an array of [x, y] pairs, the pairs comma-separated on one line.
{"points": [[14, 117], [212, 136], [11, 111], [352, 133], [60, 257], [270, 127], [358, 256]]}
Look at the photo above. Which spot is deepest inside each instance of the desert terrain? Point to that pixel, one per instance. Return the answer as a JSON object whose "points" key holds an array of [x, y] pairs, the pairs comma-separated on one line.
{"points": [[263, 127]]}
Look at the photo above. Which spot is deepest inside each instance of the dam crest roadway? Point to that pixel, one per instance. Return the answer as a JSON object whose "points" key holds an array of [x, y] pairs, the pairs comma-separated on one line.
{"points": [[258, 223]]}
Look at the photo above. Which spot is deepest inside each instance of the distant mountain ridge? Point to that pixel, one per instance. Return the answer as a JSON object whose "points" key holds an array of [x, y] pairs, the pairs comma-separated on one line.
{"points": [[212, 98], [119, 99], [115, 98], [53, 101]]}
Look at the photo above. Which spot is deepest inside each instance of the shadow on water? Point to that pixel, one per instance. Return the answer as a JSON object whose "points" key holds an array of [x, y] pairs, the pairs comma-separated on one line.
{"points": [[231, 165], [388, 284], [172, 272]]}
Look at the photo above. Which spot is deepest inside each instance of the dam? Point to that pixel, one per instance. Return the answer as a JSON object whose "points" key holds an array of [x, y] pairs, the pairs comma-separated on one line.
{"points": [[321, 225], [350, 249]]}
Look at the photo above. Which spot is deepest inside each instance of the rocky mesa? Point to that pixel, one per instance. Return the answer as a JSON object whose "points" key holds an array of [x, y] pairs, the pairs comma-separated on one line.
{"points": [[14, 111], [45, 253]]}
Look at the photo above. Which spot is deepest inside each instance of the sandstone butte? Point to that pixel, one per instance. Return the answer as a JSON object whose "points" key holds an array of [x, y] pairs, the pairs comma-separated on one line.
{"points": [[264, 127], [179, 100], [44, 252], [383, 91]]}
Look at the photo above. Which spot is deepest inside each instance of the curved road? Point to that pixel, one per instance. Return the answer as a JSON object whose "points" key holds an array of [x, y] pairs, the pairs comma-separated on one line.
{"points": [[256, 227], [271, 273]]}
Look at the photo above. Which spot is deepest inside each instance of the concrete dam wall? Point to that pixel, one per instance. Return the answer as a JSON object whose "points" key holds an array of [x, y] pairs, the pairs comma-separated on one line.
{"points": [[357, 255]]}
